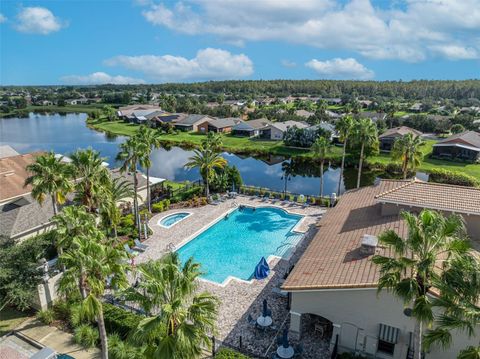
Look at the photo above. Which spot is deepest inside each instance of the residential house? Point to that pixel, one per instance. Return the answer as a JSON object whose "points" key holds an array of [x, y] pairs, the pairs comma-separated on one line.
{"points": [[387, 139], [464, 146], [303, 113], [155, 119], [276, 130], [191, 122], [374, 116], [219, 125], [333, 101], [77, 101], [326, 127], [416, 107], [250, 128], [365, 103], [127, 112], [335, 282]]}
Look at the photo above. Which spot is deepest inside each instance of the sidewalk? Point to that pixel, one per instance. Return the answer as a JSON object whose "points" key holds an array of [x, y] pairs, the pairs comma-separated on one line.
{"points": [[56, 339]]}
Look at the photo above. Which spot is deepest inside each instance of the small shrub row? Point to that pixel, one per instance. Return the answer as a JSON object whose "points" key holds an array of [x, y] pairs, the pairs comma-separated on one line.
{"points": [[161, 206], [120, 321], [226, 353]]}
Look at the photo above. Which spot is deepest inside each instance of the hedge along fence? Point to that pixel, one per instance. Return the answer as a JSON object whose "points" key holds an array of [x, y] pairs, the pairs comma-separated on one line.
{"points": [[265, 192], [120, 321], [451, 177]]}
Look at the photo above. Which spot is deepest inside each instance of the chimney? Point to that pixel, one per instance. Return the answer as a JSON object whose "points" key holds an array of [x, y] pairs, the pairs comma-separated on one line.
{"points": [[369, 244]]}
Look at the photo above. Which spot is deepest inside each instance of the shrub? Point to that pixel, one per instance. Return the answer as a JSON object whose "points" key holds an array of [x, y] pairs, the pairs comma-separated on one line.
{"points": [[120, 349], [452, 177], [46, 316], [61, 310], [157, 207], [225, 353], [86, 336], [118, 320]]}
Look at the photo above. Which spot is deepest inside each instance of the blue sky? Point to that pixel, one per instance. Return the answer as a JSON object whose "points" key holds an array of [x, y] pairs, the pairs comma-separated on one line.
{"points": [[149, 41]]}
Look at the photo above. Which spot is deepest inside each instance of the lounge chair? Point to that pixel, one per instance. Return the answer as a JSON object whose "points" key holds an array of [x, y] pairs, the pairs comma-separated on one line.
{"points": [[139, 246], [294, 201], [129, 250]]}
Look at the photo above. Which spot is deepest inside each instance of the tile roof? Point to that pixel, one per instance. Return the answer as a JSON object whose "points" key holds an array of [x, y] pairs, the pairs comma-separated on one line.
{"points": [[283, 126], [399, 131], [225, 122], [437, 196], [13, 174], [192, 119], [471, 138], [7, 151], [333, 258]]}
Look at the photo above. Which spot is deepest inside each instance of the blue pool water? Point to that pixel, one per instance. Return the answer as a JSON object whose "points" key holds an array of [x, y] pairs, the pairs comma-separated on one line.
{"points": [[170, 220], [234, 245]]}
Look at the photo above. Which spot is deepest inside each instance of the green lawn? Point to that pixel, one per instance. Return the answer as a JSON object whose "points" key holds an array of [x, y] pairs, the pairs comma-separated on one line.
{"points": [[251, 146], [10, 319]]}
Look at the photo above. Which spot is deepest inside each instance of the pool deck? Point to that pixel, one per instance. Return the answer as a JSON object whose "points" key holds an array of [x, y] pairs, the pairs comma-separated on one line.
{"points": [[240, 298]]}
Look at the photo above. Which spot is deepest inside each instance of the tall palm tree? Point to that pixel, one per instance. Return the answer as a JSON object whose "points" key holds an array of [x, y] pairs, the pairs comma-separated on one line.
{"points": [[50, 176], [321, 147], [130, 153], [117, 191], [182, 320], [418, 261], [213, 141], [71, 223], [151, 140], [344, 127], [90, 262], [408, 150], [458, 305], [365, 135], [206, 160], [91, 177]]}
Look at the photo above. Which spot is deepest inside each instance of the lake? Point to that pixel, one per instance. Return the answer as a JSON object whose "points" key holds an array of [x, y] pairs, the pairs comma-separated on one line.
{"points": [[66, 133]]}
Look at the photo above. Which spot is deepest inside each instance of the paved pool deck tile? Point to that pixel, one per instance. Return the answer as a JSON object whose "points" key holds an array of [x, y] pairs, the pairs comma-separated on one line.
{"points": [[239, 298]]}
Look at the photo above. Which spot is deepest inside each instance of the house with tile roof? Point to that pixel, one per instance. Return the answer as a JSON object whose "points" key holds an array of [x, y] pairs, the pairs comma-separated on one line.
{"points": [[335, 282], [219, 125], [191, 122], [250, 128], [388, 138], [464, 146], [276, 130]]}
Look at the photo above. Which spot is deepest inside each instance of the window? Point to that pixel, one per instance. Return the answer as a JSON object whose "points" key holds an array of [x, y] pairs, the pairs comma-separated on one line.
{"points": [[385, 347]]}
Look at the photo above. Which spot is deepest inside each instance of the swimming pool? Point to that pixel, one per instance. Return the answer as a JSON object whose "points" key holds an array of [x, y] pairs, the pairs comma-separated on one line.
{"points": [[172, 219], [234, 245]]}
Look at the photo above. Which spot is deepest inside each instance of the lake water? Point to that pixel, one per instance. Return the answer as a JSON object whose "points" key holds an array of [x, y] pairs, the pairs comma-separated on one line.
{"points": [[66, 133]]}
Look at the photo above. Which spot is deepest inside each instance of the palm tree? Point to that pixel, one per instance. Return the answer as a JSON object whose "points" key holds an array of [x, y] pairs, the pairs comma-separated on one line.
{"points": [[321, 148], [50, 177], [90, 261], [418, 261], [183, 319], [131, 151], [72, 222], [407, 149], [206, 160], [117, 191], [458, 304], [91, 175], [151, 140], [365, 135], [344, 127], [213, 141]]}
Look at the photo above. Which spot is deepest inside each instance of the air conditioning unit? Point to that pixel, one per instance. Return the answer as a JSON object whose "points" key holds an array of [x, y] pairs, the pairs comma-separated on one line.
{"points": [[369, 244]]}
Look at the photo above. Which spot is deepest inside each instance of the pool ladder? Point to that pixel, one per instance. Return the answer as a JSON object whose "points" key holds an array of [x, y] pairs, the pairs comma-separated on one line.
{"points": [[234, 204], [171, 247]]}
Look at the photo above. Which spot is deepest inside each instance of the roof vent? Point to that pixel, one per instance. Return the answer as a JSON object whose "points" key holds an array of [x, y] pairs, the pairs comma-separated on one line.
{"points": [[369, 244]]}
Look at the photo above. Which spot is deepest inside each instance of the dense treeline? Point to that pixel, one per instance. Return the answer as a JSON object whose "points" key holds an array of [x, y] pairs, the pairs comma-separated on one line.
{"points": [[411, 90]]}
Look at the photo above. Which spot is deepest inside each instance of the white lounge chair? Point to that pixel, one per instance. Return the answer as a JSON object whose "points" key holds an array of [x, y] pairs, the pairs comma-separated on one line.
{"points": [[140, 246], [129, 250]]}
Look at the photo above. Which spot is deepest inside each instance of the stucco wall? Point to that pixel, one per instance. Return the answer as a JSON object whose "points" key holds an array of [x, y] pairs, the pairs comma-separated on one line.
{"points": [[358, 314], [275, 133]]}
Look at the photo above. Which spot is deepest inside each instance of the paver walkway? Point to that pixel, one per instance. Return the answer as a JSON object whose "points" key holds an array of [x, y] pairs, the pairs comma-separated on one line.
{"points": [[58, 340]]}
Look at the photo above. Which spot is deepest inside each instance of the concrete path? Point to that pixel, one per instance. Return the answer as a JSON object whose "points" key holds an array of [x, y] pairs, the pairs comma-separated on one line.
{"points": [[58, 340]]}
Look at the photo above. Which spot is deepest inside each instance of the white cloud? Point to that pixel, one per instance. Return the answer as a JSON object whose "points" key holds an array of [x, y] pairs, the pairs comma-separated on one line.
{"points": [[208, 64], [288, 63], [99, 78], [37, 20], [341, 69], [455, 52], [410, 30], [2, 18]]}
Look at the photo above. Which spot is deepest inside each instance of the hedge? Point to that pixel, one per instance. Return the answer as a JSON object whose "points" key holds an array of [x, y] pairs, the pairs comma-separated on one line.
{"points": [[225, 353], [120, 321], [451, 177]]}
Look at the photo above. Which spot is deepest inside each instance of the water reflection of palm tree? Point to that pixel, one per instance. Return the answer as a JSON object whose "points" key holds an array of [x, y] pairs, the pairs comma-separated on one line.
{"points": [[288, 173]]}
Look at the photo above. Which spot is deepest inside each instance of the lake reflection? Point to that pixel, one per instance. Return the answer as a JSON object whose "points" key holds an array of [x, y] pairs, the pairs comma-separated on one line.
{"points": [[67, 133]]}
